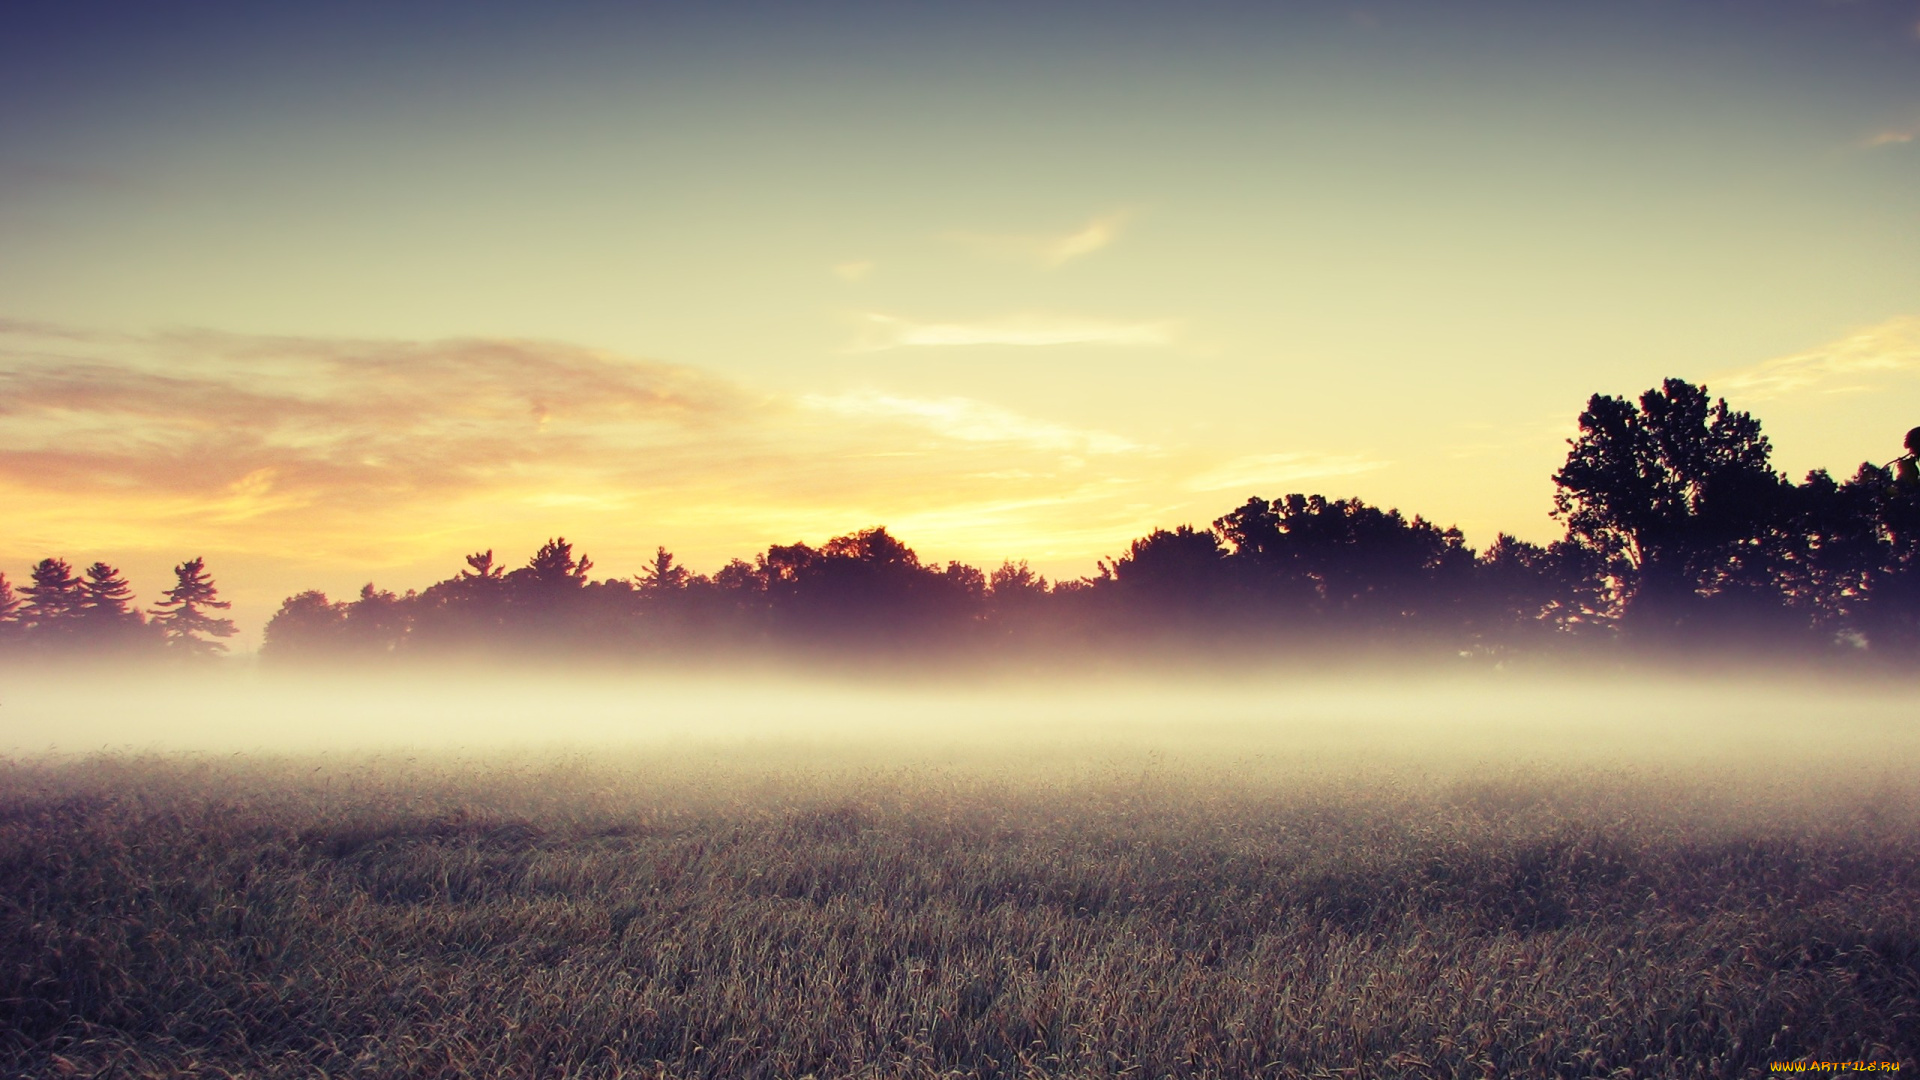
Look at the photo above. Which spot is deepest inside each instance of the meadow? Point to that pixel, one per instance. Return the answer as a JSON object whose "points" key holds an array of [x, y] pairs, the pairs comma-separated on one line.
{"points": [[766, 909]]}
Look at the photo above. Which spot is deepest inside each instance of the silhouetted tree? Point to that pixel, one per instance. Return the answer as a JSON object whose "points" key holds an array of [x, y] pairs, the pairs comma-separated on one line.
{"points": [[739, 576], [863, 584], [738, 594], [662, 576], [1525, 594], [959, 593], [546, 596], [554, 567], [1169, 579], [9, 611], [481, 567], [467, 609], [106, 615], [182, 616], [1831, 550], [1677, 495], [1350, 563], [1018, 601], [52, 606], [307, 625], [1886, 606], [376, 623]]}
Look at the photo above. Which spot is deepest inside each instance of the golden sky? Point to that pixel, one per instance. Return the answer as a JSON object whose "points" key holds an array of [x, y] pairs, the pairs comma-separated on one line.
{"points": [[331, 297]]}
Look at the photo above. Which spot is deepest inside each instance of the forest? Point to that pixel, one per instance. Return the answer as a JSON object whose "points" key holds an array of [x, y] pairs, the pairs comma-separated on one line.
{"points": [[1679, 532]]}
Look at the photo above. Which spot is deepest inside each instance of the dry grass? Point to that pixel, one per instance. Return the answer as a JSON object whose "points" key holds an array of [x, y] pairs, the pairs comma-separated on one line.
{"points": [[173, 917]]}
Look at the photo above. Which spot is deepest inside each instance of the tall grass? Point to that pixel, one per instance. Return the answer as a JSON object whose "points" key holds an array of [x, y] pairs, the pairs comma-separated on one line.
{"points": [[180, 917]]}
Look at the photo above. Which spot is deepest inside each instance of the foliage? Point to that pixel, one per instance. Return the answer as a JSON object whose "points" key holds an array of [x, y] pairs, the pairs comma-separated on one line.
{"points": [[1679, 496], [52, 601], [9, 608], [182, 615], [307, 623]]}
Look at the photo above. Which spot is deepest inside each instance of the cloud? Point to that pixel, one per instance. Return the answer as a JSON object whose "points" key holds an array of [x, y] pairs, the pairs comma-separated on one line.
{"points": [[1889, 348], [891, 332], [853, 270], [968, 420], [1045, 249], [347, 457], [372, 453], [1902, 129], [1275, 472], [197, 427]]}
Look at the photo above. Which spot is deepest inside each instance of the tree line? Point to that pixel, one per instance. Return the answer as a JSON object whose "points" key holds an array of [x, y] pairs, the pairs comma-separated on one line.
{"points": [[1678, 532], [58, 610]]}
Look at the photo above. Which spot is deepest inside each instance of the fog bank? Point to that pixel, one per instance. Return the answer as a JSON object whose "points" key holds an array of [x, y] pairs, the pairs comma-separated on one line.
{"points": [[1770, 725]]}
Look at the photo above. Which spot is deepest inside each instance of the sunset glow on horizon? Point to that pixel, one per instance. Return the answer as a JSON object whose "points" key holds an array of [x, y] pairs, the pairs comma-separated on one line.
{"points": [[335, 296]]}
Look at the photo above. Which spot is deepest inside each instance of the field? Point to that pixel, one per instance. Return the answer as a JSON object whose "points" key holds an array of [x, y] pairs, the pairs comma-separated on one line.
{"points": [[783, 914]]}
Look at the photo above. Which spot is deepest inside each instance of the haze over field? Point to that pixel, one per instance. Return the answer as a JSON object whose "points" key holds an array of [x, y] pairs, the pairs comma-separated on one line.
{"points": [[325, 295], [1780, 732], [1435, 879]]}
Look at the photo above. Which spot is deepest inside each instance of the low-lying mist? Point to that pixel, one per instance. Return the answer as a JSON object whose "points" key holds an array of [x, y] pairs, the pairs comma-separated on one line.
{"points": [[1381, 873], [1785, 726]]}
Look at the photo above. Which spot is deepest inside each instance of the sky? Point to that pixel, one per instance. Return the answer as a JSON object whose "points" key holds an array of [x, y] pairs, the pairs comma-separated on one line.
{"points": [[331, 293]]}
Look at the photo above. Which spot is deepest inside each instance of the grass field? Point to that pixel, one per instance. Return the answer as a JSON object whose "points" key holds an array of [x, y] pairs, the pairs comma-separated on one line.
{"points": [[205, 916]]}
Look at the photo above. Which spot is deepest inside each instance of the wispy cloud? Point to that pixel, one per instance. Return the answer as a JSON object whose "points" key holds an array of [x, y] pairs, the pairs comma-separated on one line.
{"points": [[194, 429], [1897, 130], [1045, 249], [1888, 348], [376, 452], [969, 421], [355, 455], [892, 332], [853, 269], [1273, 473]]}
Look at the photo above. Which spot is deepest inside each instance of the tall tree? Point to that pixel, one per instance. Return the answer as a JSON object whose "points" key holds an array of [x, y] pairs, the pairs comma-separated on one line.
{"points": [[1886, 608], [481, 567], [106, 595], [1678, 495], [9, 609], [308, 625], [546, 596], [864, 584], [106, 615], [1181, 571], [182, 616], [52, 601], [377, 622], [1348, 561], [554, 567], [1523, 593], [662, 575]]}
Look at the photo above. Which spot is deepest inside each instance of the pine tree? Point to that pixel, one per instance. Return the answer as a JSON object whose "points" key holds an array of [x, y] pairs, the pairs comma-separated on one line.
{"points": [[52, 601], [483, 567], [663, 575], [182, 617], [554, 567], [106, 597], [9, 609], [106, 613]]}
